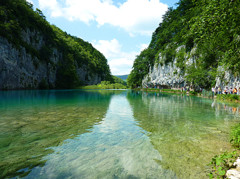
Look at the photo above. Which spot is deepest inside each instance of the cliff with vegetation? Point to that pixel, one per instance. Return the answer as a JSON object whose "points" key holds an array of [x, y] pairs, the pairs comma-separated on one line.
{"points": [[35, 54], [197, 44]]}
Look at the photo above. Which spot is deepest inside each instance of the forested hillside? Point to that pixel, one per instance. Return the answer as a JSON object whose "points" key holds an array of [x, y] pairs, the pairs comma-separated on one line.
{"points": [[123, 77], [199, 37], [37, 54]]}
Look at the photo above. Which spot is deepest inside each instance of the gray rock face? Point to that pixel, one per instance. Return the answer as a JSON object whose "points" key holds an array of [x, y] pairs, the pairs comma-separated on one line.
{"points": [[170, 76], [20, 70], [227, 79], [166, 75]]}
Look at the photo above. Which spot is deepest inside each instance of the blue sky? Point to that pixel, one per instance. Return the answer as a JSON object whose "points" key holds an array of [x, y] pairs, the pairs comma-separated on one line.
{"points": [[120, 29]]}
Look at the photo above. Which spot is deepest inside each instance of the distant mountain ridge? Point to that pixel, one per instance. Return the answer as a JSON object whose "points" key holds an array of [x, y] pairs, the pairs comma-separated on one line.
{"points": [[123, 77]]}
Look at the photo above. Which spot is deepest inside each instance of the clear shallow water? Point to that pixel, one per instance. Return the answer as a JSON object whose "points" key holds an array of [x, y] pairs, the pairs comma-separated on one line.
{"points": [[110, 134]]}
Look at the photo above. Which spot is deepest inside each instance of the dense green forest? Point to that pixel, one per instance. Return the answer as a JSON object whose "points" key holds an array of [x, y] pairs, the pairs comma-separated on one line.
{"points": [[208, 31], [117, 83], [17, 16]]}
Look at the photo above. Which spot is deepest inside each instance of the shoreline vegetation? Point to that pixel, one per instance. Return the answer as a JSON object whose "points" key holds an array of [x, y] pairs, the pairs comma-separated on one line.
{"points": [[115, 83], [105, 85]]}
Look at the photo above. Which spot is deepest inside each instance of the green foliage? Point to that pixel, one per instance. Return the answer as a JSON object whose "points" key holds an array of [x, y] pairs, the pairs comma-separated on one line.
{"points": [[228, 97], [211, 28], [45, 52], [198, 76], [180, 59], [171, 90], [119, 80], [141, 67], [235, 136], [193, 93], [105, 85], [18, 18], [169, 54], [43, 84], [221, 163], [66, 74]]}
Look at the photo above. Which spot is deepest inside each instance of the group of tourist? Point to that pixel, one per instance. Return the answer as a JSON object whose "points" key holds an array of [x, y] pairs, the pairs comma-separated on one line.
{"points": [[218, 90]]}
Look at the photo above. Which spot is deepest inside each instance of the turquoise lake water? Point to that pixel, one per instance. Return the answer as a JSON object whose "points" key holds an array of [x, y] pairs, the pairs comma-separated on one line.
{"points": [[110, 134]]}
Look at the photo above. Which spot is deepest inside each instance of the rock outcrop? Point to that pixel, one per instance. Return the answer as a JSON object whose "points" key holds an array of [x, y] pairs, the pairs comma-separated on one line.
{"points": [[227, 79], [19, 70], [165, 76], [22, 70], [35, 54], [234, 173], [170, 76]]}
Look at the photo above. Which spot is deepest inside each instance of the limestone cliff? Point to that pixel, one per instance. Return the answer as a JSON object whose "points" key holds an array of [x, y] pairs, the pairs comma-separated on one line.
{"points": [[35, 54], [167, 75], [197, 43], [170, 76], [21, 70]]}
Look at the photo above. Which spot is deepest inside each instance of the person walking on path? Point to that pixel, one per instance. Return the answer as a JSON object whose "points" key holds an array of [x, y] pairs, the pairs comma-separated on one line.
{"points": [[235, 91], [219, 90], [226, 90]]}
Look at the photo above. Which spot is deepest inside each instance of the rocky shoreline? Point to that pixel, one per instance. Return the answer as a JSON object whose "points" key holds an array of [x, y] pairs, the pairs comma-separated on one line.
{"points": [[234, 173]]}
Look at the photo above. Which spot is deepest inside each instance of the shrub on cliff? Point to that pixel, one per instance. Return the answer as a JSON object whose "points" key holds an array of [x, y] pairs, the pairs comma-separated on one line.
{"points": [[208, 30], [18, 20]]}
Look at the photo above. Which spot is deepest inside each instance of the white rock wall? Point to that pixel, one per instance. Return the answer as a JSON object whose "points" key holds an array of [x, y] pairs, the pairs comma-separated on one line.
{"points": [[227, 80], [166, 75]]}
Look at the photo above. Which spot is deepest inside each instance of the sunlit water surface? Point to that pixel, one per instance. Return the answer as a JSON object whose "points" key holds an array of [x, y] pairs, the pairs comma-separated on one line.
{"points": [[110, 134]]}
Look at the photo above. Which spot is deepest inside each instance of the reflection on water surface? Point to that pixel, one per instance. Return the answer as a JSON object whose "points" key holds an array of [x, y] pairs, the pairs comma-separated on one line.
{"points": [[110, 134]]}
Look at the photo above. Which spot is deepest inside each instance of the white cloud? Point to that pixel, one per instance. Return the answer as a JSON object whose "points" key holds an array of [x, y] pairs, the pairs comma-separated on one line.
{"points": [[30, 1], [53, 6], [109, 48], [134, 16], [143, 46], [120, 62]]}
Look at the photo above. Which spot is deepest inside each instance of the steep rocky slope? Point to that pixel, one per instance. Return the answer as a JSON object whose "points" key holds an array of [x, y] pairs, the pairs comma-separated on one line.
{"points": [[197, 44], [35, 54]]}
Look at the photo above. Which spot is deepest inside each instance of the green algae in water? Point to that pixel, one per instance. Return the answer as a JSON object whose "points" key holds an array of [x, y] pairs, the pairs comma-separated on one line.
{"points": [[33, 121], [110, 134]]}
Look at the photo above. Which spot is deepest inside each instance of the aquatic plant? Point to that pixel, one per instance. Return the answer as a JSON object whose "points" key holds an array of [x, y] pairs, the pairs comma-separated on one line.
{"points": [[235, 136], [228, 97], [221, 163]]}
